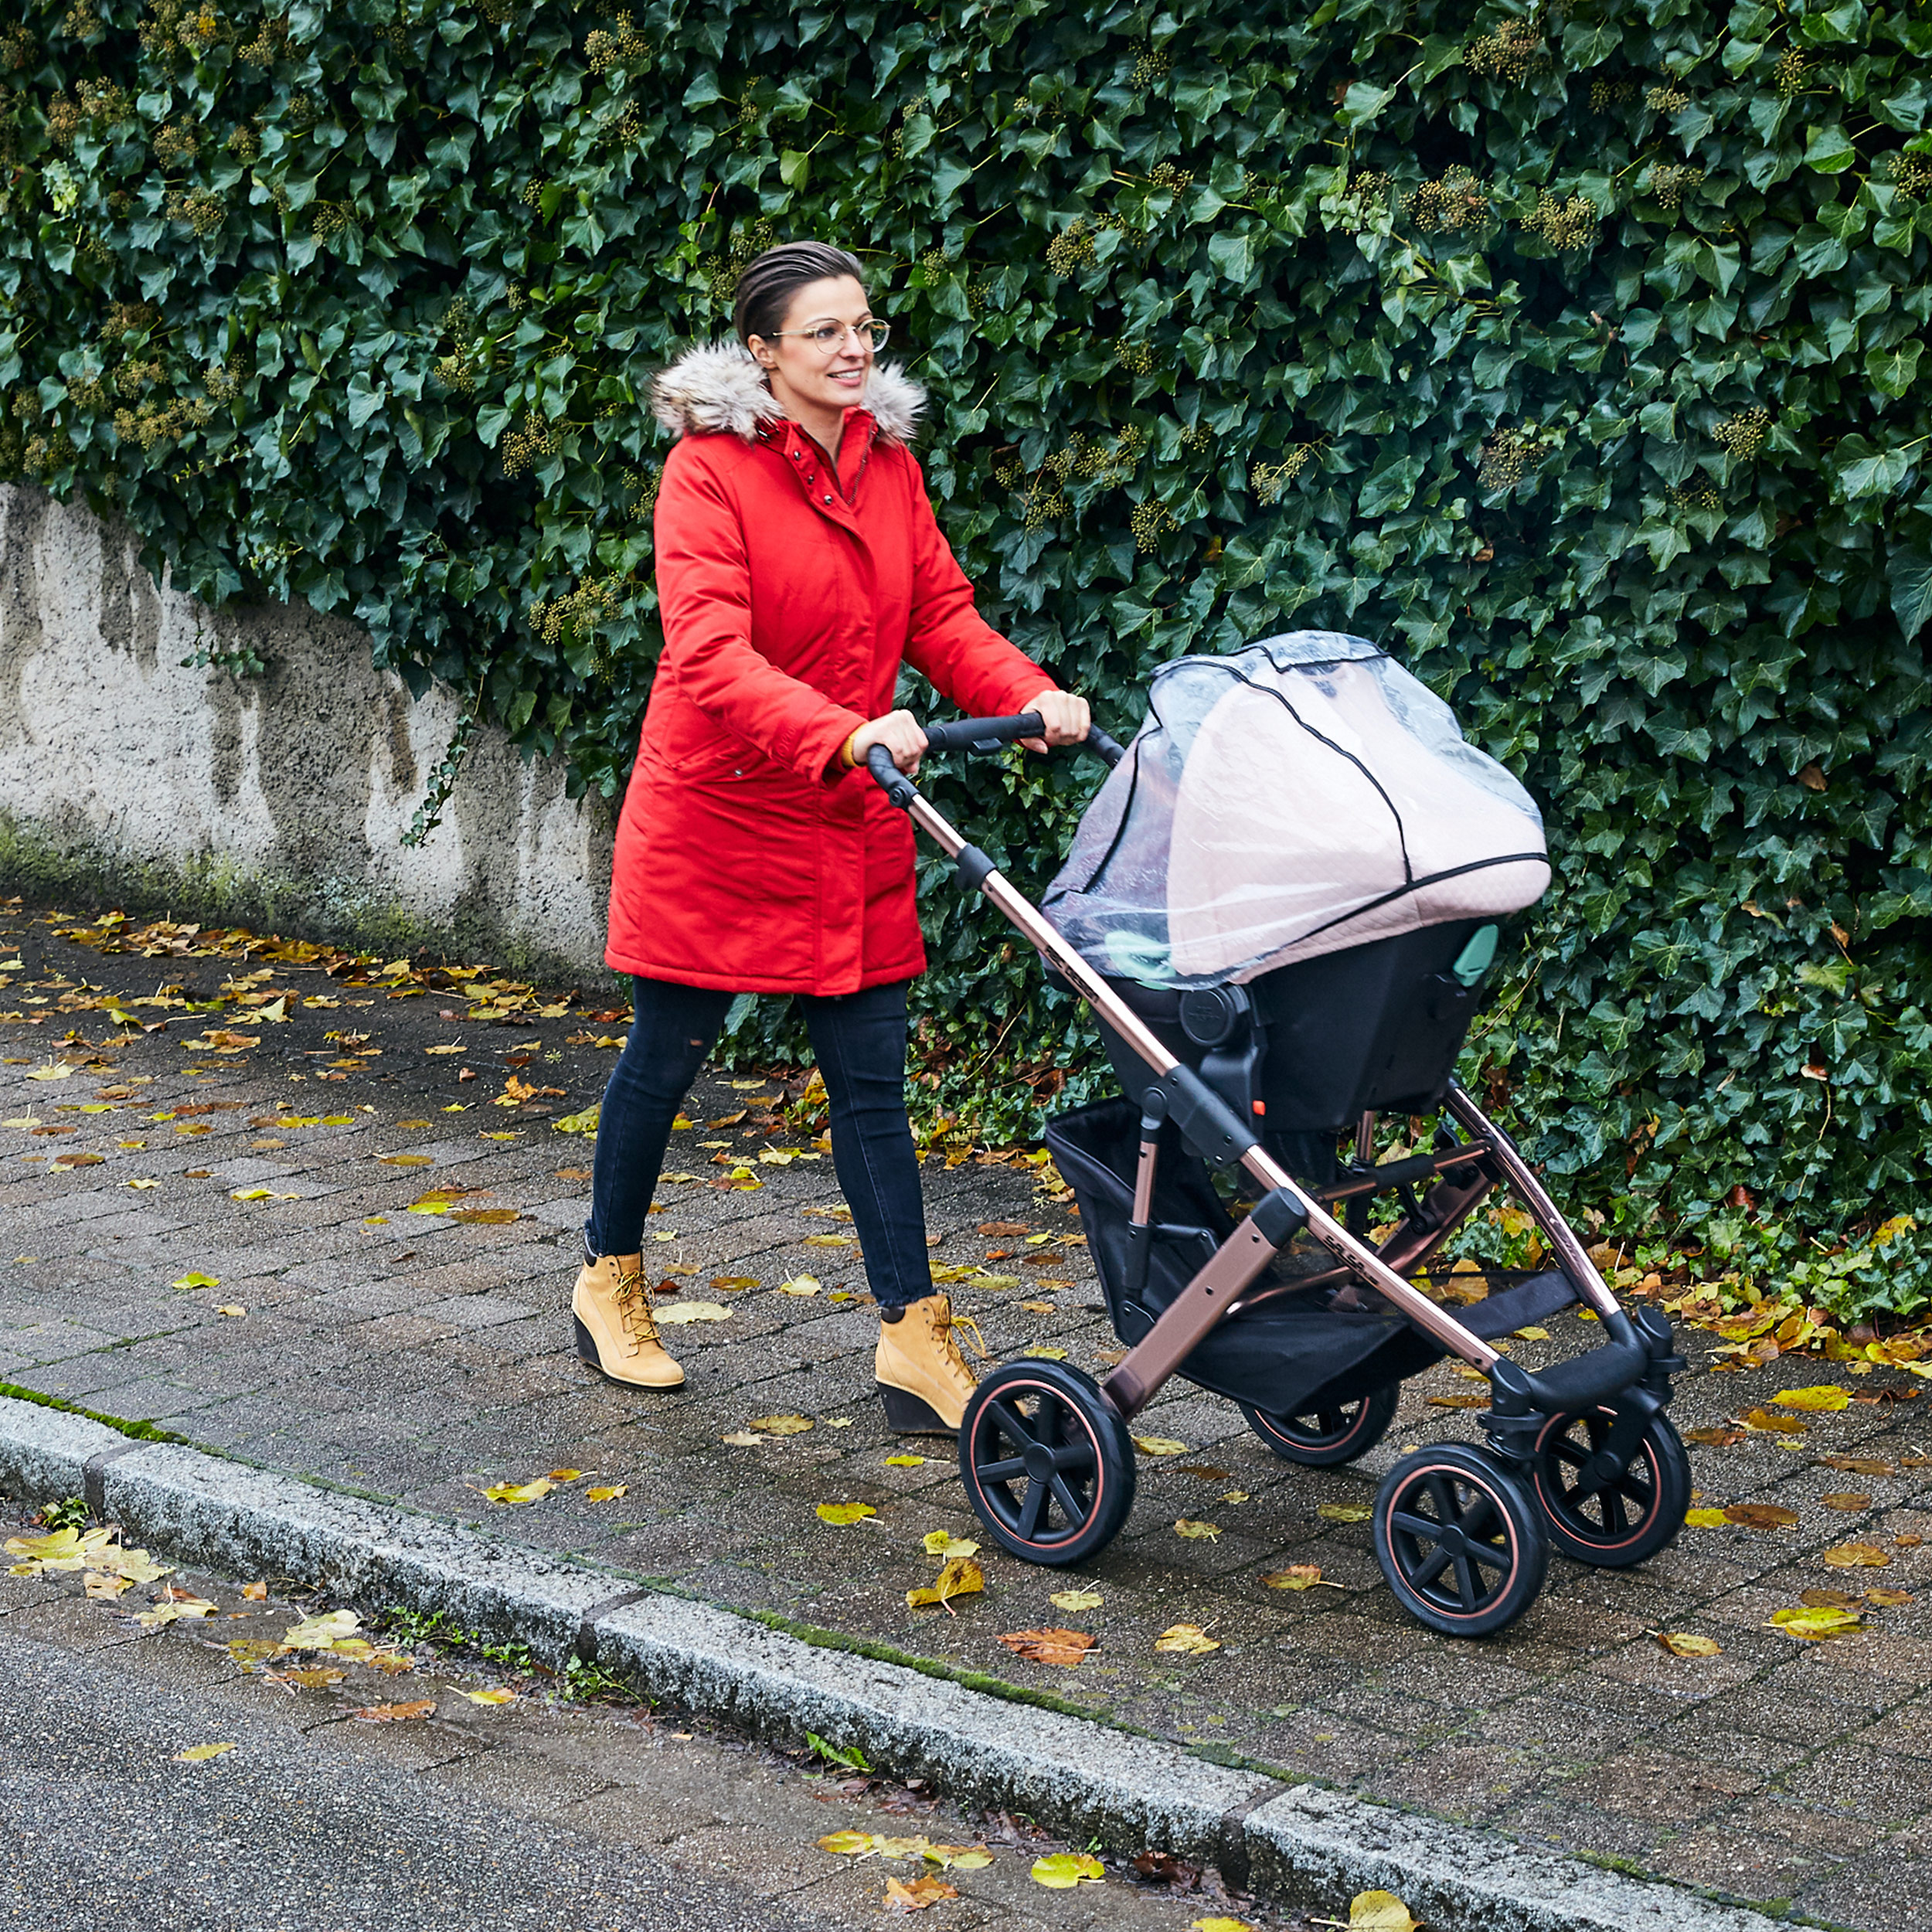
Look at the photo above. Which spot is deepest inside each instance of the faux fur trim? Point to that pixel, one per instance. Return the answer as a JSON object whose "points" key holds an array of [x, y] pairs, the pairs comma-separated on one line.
{"points": [[717, 390]]}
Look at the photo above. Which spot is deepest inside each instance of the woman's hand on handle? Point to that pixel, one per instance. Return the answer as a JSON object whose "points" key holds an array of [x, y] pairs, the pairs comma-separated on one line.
{"points": [[898, 732], [1066, 717]]}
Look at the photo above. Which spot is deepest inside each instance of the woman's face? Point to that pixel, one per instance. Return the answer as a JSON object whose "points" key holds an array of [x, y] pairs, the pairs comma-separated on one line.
{"points": [[801, 371]]}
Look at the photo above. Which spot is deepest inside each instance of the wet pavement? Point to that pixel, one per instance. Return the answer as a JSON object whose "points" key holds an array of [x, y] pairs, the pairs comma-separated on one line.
{"points": [[424, 1356]]}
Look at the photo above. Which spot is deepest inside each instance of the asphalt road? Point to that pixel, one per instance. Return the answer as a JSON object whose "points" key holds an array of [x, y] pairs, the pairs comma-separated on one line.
{"points": [[452, 1816], [100, 1826]]}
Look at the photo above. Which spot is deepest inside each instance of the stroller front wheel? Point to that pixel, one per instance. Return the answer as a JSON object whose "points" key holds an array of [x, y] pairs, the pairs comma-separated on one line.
{"points": [[1459, 1540], [1047, 1463], [1326, 1434], [1614, 1523]]}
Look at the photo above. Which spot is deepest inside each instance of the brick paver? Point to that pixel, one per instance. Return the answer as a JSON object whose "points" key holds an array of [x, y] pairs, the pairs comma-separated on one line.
{"points": [[420, 1359]]}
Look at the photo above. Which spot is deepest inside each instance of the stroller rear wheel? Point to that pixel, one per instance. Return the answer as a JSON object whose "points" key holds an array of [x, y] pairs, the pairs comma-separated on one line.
{"points": [[1614, 1522], [1459, 1540], [1047, 1463], [1330, 1433]]}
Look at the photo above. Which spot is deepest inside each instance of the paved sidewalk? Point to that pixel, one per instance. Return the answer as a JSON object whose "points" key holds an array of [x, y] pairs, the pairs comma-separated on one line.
{"points": [[424, 1357]]}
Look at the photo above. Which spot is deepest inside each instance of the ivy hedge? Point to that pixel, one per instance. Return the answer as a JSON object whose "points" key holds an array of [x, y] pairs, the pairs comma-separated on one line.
{"points": [[1575, 350]]}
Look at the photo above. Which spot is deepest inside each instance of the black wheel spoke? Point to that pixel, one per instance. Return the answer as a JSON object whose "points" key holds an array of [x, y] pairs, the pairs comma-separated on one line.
{"points": [[1010, 1425], [1482, 1507], [1075, 1456], [1466, 1586], [1442, 1493], [1032, 1510], [1424, 1529], [1616, 1518], [1049, 1423], [1071, 1504], [1426, 1571], [1004, 1471], [1491, 1556]]}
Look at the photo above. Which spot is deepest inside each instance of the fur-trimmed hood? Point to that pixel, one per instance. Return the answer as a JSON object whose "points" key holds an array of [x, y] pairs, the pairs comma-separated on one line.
{"points": [[718, 389]]}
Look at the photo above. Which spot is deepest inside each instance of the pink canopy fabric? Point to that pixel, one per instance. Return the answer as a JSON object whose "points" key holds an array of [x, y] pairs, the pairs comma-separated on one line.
{"points": [[1300, 796]]}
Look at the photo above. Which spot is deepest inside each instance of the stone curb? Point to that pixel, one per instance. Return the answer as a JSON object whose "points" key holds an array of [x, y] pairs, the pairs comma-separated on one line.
{"points": [[1301, 1846]]}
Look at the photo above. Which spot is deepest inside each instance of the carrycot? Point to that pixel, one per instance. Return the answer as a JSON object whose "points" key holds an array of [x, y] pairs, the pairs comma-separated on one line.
{"points": [[1294, 877]]}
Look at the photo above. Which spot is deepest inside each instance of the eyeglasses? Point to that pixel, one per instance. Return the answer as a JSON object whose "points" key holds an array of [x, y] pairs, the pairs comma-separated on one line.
{"points": [[829, 337]]}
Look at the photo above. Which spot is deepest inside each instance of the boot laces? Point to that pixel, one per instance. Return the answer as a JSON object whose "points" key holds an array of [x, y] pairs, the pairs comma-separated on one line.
{"points": [[945, 1322], [632, 1300]]}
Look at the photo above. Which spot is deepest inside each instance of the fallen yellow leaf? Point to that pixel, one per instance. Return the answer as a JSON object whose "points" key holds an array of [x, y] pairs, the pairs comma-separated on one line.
{"points": [[1061, 1871], [905, 1462], [1821, 1397], [1814, 1623], [608, 1492], [961, 1577], [563, 1475], [1159, 1446], [780, 1425], [1380, 1912], [1707, 1519], [1186, 1640], [801, 1284], [516, 1492], [201, 1753], [1682, 1643], [676, 1313], [1187, 1526], [844, 1513], [847, 1844], [943, 1542], [196, 1281], [1345, 1512], [1074, 1599], [490, 1696], [322, 1633]]}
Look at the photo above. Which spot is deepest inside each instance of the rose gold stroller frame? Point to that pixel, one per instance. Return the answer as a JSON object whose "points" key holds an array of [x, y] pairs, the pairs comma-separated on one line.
{"points": [[1219, 1289]]}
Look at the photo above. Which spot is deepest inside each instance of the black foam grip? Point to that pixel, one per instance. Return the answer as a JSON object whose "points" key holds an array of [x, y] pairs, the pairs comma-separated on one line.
{"points": [[964, 734], [892, 781], [1111, 748]]}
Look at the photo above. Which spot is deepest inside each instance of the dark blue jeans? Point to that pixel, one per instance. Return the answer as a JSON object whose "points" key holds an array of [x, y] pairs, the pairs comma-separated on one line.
{"points": [[860, 1040]]}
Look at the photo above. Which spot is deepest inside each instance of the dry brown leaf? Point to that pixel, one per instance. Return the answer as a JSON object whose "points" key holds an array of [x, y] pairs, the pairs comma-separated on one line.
{"points": [[1762, 1421], [1858, 1556], [395, 1713], [1848, 1501], [914, 1895], [1715, 1438], [1761, 1516], [1050, 1646], [1298, 1576], [1858, 1465]]}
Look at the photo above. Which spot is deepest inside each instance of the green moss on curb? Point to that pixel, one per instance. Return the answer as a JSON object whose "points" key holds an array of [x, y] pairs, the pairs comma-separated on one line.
{"points": [[140, 1431]]}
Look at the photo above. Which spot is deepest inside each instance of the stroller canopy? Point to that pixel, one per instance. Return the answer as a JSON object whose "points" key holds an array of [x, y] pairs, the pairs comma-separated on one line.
{"points": [[1303, 795]]}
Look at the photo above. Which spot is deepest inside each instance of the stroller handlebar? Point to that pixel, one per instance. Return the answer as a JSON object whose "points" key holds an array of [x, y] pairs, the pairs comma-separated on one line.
{"points": [[978, 734]]}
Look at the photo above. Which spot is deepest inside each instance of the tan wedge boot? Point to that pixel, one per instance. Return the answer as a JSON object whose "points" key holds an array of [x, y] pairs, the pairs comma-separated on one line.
{"points": [[616, 1333], [920, 1372]]}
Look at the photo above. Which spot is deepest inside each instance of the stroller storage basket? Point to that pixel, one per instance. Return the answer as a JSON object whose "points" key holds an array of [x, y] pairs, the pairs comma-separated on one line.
{"points": [[1275, 1355], [1375, 1028]]}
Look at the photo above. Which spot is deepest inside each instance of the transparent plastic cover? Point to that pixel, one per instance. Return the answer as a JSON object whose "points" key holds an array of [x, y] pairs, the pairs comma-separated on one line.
{"points": [[1302, 795]]}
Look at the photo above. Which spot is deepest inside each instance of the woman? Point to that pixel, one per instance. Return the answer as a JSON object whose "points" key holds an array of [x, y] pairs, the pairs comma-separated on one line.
{"points": [[798, 562]]}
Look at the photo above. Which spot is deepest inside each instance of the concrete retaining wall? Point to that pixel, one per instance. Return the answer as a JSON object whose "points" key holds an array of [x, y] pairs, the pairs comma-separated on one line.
{"points": [[276, 802]]}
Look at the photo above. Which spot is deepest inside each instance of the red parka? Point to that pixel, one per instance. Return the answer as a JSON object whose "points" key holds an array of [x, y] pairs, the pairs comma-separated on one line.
{"points": [[789, 596]]}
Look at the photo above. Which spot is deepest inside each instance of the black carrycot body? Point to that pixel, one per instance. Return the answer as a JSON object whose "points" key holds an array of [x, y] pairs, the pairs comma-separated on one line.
{"points": [[1303, 1051]]}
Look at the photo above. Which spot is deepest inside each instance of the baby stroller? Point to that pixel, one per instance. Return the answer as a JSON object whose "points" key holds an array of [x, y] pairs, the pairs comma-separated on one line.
{"points": [[1282, 905]]}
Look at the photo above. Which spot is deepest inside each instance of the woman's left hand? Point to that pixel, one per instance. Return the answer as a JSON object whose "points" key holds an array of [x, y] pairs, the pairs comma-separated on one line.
{"points": [[1066, 717]]}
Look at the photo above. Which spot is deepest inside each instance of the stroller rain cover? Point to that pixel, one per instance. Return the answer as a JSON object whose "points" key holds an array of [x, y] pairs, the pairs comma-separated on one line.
{"points": [[1302, 795]]}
